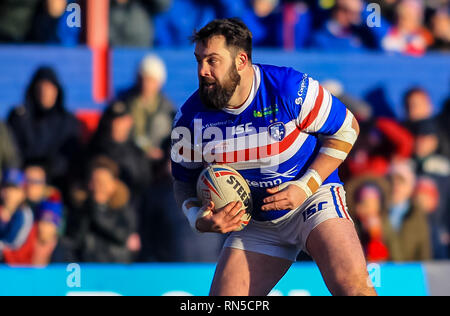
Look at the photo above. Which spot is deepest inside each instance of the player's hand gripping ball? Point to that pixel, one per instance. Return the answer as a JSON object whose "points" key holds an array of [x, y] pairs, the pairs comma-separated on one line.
{"points": [[223, 185]]}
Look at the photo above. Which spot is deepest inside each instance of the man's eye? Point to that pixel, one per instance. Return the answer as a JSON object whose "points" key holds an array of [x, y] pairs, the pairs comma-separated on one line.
{"points": [[213, 61]]}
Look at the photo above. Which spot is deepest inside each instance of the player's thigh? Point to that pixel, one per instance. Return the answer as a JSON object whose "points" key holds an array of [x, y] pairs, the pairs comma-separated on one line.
{"points": [[241, 273], [335, 247]]}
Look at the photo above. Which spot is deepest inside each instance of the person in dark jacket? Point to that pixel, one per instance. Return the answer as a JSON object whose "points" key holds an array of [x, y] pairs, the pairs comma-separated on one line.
{"points": [[131, 22], [104, 225], [43, 128], [113, 139]]}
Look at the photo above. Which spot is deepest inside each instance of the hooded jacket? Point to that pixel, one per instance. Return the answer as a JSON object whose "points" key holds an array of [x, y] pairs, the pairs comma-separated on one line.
{"points": [[50, 135]]}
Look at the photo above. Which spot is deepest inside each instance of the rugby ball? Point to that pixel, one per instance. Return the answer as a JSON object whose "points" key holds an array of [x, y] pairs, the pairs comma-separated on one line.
{"points": [[223, 185]]}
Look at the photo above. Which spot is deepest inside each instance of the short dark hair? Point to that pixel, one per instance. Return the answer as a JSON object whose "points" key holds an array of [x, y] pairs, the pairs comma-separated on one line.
{"points": [[235, 31], [104, 162], [412, 91]]}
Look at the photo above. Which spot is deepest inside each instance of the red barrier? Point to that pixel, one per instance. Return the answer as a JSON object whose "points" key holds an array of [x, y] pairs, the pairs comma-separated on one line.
{"points": [[98, 41]]}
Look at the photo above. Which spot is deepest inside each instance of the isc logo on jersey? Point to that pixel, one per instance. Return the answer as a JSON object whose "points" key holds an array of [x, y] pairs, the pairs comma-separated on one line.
{"points": [[242, 129]]}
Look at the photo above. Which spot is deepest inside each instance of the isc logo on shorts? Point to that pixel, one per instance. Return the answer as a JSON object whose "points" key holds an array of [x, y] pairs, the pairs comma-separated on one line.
{"points": [[313, 209]]}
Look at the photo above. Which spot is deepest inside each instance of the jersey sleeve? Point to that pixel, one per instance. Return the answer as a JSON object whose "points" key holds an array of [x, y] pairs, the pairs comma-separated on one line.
{"points": [[316, 110], [186, 165]]}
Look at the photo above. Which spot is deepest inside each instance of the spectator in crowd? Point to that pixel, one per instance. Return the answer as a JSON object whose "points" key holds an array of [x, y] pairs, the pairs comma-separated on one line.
{"points": [[17, 232], [166, 235], [50, 24], [440, 28], [103, 228], [298, 18], [418, 106], [368, 200], [426, 194], [43, 128], [114, 140], [408, 35], [419, 110], [346, 30], [176, 24], [46, 204], [407, 233], [130, 21], [426, 155], [9, 156], [264, 18], [16, 18], [152, 112]]}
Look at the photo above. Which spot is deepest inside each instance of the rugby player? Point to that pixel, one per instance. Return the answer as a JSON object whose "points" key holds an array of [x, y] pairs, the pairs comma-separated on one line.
{"points": [[298, 199]]}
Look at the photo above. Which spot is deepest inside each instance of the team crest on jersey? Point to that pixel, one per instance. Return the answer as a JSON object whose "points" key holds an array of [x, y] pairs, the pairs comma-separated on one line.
{"points": [[277, 131]]}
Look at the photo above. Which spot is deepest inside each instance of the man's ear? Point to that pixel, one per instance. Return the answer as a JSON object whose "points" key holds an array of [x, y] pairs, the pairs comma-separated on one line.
{"points": [[241, 61]]}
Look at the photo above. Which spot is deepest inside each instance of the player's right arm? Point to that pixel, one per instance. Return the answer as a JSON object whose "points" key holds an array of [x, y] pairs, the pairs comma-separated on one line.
{"points": [[185, 171], [205, 218]]}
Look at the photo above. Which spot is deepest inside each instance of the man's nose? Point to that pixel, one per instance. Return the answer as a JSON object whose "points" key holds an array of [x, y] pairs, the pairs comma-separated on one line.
{"points": [[204, 70]]}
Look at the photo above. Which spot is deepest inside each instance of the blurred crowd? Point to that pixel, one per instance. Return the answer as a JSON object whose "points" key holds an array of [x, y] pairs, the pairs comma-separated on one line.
{"points": [[410, 27], [106, 195]]}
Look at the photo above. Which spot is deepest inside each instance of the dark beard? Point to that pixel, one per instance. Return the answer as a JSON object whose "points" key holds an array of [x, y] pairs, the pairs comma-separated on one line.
{"points": [[217, 98]]}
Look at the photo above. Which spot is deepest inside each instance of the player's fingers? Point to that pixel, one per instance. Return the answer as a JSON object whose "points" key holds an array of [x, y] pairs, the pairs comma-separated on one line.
{"points": [[227, 208], [237, 217], [236, 208], [273, 190], [236, 223], [275, 197], [276, 206]]}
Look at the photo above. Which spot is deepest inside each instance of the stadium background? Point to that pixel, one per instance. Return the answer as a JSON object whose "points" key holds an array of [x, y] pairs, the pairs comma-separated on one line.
{"points": [[93, 72]]}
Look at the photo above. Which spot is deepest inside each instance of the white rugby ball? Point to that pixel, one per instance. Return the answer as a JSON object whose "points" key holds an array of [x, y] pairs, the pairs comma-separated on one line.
{"points": [[223, 185]]}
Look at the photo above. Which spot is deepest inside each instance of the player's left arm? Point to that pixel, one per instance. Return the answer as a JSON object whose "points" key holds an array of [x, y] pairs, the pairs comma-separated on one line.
{"points": [[322, 114]]}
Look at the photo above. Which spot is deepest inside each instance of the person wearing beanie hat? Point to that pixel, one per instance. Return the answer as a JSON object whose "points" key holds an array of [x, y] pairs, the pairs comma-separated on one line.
{"points": [[152, 66], [150, 108]]}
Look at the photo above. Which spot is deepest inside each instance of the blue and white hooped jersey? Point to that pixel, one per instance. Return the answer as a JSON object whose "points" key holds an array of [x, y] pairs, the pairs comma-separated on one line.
{"points": [[271, 139]]}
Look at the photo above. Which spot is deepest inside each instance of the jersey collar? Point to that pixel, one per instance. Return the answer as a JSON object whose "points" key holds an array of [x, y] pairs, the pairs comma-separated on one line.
{"points": [[251, 97]]}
